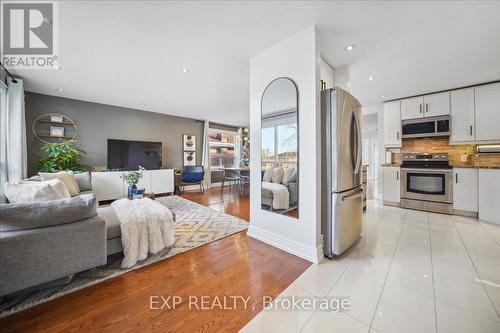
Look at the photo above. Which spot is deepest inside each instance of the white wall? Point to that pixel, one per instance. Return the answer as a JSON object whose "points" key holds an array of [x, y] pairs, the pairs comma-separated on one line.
{"points": [[342, 77], [298, 59], [379, 110]]}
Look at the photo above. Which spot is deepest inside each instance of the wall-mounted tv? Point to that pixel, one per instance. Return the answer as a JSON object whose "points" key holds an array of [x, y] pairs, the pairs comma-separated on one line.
{"points": [[129, 155]]}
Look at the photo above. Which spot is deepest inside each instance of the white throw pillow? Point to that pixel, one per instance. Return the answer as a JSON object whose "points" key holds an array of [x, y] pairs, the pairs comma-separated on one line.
{"points": [[36, 191], [287, 176], [67, 177], [277, 175], [268, 175]]}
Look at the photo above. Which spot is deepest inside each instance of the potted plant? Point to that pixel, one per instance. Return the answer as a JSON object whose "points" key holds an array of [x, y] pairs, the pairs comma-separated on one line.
{"points": [[132, 178], [62, 156]]}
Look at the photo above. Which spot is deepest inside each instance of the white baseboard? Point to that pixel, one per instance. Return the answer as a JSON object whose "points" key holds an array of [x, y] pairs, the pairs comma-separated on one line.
{"points": [[314, 255]]}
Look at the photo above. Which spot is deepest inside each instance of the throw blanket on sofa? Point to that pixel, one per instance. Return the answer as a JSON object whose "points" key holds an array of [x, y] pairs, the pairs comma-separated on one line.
{"points": [[281, 196], [146, 226]]}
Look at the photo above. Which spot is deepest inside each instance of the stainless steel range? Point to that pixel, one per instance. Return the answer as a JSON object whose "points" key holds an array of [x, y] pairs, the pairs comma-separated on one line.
{"points": [[427, 182]]}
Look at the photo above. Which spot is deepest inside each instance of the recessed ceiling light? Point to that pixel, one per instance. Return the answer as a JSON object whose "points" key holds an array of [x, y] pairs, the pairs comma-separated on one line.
{"points": [[382, 96], [60, 89], [371, 77], [185, 70], [142, 105], [350, 47]]}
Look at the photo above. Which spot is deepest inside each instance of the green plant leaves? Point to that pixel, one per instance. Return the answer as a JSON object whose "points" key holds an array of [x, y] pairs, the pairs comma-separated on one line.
{"points": [[60, 156]]}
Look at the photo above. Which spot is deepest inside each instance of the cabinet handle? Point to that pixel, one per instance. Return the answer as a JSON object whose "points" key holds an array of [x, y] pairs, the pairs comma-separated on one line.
{"points": [[397, 135], [470, 128], [456, 178], [420, 108], [397, 175], [426, 107]]}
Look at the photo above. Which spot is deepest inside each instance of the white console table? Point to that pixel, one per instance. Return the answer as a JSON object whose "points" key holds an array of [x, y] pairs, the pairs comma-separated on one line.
{"points": [[108, 185]]}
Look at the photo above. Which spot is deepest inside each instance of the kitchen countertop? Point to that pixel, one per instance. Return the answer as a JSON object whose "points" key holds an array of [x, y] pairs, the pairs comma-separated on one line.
{"points": [[476, 166], [453, 166]]}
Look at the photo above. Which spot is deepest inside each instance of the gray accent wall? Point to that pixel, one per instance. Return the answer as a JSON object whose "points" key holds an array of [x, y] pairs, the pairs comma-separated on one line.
{"points": [[99, 122]]}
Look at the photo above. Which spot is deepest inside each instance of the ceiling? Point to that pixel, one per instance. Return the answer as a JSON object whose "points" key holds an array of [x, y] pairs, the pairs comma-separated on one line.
{"points": [[132, 53]]}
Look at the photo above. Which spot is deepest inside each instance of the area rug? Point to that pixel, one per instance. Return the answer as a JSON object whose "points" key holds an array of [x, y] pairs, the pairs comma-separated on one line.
{"points": [[195, 225]]}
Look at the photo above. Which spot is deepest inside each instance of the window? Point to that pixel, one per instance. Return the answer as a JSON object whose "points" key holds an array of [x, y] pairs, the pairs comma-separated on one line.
{"points": [[279, 141], [223, 149]]}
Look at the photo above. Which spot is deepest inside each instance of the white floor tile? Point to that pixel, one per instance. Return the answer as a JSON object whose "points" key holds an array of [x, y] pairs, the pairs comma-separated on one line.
{"points": [[452, 319], [460, 285], [417, 215], [281, 321], [441, 219], [423, 259], [412, 271], [404, 310], [319, 279], [334, 321], [415, 239], [493, 230], [364, 291]]}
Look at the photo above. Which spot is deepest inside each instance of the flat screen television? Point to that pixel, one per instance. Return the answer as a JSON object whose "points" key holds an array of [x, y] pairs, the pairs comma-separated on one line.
{"points": [[129, 155]]}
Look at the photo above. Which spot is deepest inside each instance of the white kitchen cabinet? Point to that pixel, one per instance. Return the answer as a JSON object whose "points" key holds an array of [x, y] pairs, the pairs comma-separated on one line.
{"points": [[465, 191], [487, 99], [436, 104], [412, 108], [489, 198], [392, 185], [462, 116], [392, 124]]}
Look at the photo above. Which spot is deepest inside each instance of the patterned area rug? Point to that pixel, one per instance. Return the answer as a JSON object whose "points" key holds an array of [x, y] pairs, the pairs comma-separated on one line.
{"points": [[196, 225]]}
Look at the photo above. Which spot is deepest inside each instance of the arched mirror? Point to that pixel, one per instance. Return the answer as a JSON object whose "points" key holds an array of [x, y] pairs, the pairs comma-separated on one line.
{"points": [[280, 148]]}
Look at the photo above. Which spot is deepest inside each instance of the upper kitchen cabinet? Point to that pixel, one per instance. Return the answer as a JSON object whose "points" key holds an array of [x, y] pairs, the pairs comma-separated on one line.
{"points": [[462, 116], [487, 112], [326, 75], [436, 104], [425, 106], [412, 108], [392, 124]]}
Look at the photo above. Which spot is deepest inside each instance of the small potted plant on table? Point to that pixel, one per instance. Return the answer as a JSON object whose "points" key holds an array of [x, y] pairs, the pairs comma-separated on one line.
{"points": [[132, 178]]}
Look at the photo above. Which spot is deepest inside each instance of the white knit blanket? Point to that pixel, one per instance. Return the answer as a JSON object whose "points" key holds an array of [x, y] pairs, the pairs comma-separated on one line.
{"points": [[281, 196], [146, 226]]}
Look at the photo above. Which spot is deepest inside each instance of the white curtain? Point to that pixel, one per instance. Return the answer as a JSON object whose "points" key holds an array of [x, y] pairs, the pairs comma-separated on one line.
{"points": [[13, 149], [237, 149], [205, 157]]}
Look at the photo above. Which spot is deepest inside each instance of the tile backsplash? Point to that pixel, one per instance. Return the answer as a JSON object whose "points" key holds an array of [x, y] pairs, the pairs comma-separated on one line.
{"points": [[459, 155]]}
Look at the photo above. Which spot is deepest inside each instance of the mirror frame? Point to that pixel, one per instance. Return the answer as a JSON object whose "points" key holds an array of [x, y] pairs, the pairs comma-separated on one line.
{"points": [[298, 144]]}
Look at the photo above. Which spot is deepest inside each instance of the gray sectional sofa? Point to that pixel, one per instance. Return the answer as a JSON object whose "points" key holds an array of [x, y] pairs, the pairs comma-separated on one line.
{"points": [[45, 241]]}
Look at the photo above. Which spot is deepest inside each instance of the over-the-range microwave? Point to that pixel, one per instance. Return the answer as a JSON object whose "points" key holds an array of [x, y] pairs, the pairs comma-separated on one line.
{"points": [[425, 127]]}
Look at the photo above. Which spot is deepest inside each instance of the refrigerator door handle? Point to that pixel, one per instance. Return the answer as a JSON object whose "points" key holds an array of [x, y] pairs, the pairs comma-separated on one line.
{"points": [[359, 152], [353, 196]]}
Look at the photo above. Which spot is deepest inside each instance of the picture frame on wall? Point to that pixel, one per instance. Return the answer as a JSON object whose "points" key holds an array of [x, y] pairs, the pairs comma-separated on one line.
{"points": [[189, 158], [57, 132], [189, 142], [56, 118]]}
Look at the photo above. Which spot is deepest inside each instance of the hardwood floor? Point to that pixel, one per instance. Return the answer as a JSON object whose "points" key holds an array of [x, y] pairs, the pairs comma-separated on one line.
{"points": [[234, 266]]}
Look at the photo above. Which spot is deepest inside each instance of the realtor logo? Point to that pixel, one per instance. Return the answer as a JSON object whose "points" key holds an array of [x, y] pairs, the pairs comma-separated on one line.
{"points": [[29, 33]]}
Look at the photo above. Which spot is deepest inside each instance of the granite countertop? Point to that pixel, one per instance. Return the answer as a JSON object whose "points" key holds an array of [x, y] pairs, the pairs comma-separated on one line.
{"points": [[476, 166], [453, 166]]}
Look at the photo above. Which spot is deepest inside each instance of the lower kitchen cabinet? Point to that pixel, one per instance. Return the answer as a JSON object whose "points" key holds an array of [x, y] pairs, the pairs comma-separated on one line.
{"points": [[465, 191], [489, 195], [392, 186]]}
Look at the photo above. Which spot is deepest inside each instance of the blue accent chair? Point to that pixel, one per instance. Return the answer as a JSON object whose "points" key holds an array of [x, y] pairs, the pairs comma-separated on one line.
{"points": [[193, 175]]}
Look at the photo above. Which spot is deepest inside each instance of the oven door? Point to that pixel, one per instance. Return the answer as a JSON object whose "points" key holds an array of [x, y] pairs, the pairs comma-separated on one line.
{"points": [[427, 184]]}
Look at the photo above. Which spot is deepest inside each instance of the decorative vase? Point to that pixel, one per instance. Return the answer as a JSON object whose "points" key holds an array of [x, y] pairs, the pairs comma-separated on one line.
{"points": [[131, 189]]}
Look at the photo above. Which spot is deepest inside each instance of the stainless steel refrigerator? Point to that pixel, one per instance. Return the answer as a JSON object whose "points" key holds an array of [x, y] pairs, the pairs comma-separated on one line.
{"points": [[341, 192]]}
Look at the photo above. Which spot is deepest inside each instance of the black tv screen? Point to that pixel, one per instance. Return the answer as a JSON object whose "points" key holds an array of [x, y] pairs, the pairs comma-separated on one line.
{"points": [[129, 155]]}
